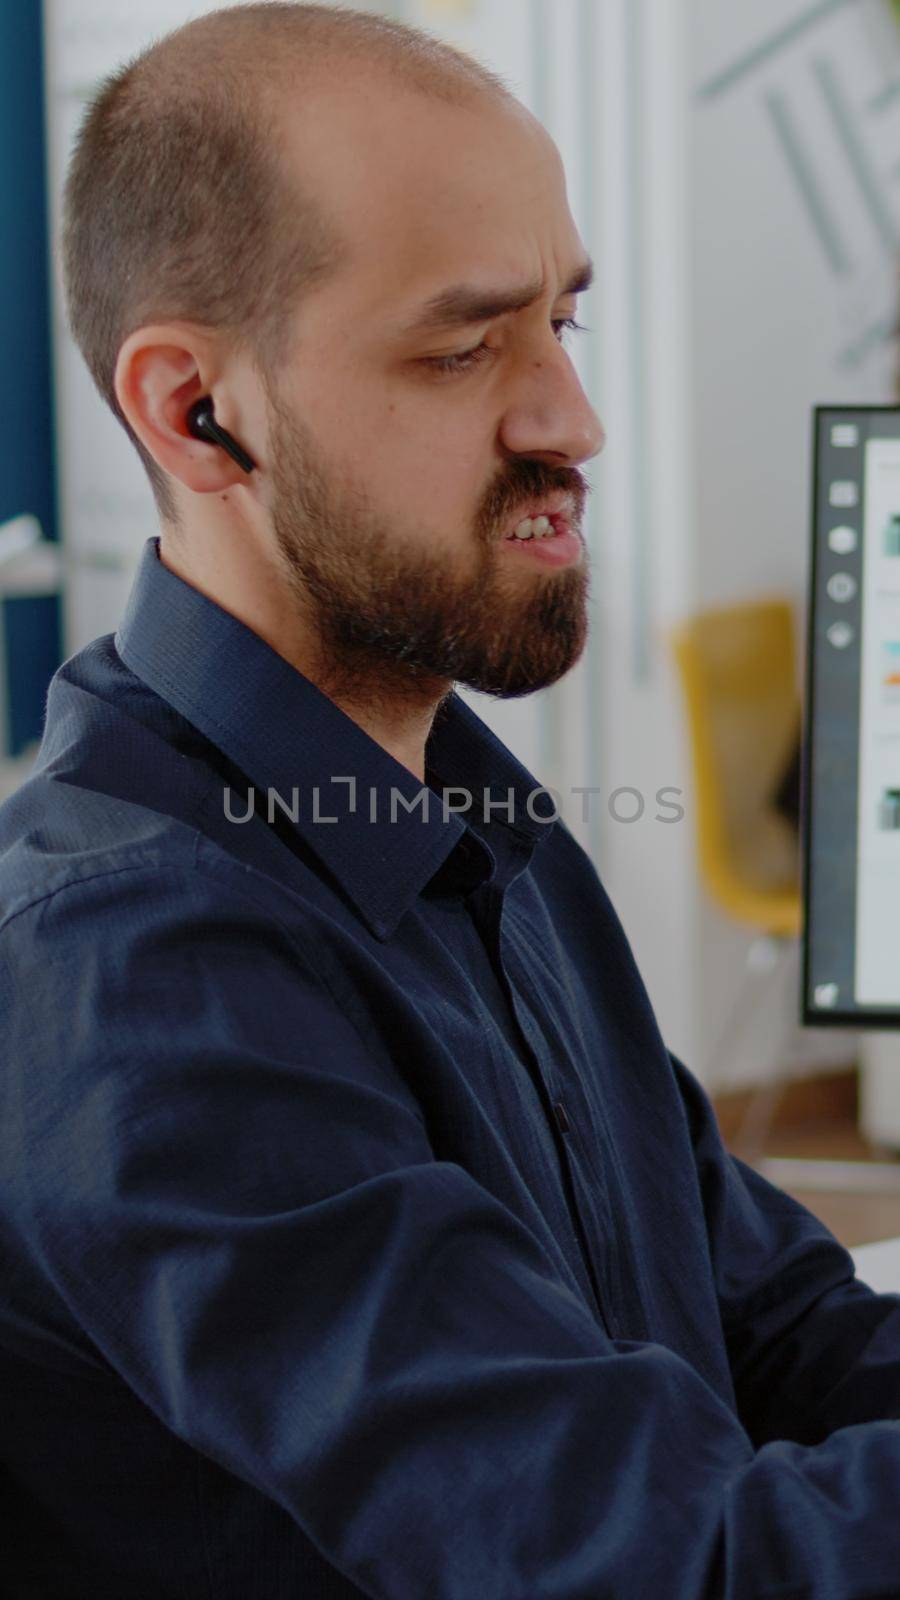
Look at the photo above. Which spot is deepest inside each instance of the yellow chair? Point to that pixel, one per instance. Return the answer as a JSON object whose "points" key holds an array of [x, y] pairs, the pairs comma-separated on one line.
{"points": [[737, 669]]}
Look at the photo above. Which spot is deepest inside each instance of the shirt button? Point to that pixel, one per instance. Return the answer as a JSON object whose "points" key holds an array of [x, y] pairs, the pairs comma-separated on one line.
{"points": [[561, 1118]]}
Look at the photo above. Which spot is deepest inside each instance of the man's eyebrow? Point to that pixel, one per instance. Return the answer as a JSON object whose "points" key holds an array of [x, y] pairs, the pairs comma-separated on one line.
{"points": [[463, 306]]}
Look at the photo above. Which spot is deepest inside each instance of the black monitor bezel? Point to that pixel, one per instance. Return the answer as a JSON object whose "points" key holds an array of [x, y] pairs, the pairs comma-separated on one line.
{"points": [[863, 1017]]}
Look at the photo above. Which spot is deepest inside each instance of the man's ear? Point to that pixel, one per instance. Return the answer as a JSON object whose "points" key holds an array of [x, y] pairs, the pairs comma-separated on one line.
{"points": [[160, 372]]}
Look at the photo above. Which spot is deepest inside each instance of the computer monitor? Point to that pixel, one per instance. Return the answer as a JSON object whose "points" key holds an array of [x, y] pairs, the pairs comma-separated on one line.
{"points": [[851, 824]]}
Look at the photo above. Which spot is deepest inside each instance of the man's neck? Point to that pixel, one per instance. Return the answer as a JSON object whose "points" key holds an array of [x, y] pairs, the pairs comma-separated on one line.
{"points": [[390, 707], [399, 725]]}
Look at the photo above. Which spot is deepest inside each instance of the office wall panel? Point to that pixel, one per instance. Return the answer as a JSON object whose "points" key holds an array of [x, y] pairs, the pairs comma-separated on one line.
{"points": [[29, 627]]}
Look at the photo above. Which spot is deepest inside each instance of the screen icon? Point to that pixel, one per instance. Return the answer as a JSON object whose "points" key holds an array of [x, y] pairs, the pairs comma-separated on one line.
{"points": [[844, 435], [842, 541], [891, 535], [841, 586], [889, 811], [890, 672], [840, 634], [825, 995], [843, 492]]}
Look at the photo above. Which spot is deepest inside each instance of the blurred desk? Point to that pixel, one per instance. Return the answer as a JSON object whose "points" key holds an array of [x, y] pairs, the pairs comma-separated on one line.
{"points": [[878, 1265]]}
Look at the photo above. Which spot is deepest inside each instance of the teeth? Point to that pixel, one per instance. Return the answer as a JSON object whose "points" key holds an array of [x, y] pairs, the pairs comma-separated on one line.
{"points": [[534, 528]]}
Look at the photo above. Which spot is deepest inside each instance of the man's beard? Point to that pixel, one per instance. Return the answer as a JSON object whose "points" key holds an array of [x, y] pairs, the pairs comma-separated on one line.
{"points": [[391, 619]]}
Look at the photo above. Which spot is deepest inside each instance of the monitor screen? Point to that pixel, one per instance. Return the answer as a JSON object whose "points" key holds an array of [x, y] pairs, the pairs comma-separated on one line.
{"points": [[851, 966]]}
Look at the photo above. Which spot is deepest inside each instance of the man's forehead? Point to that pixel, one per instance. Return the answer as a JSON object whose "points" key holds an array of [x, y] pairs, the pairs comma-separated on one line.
{"points": [[465, 304], [437, 243]]}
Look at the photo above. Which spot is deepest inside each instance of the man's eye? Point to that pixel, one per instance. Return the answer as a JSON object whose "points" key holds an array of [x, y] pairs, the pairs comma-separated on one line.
{"points": [[470, 358]]}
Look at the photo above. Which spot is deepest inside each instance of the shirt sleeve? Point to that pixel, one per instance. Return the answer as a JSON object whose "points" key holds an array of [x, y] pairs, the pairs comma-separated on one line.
{"points": [[235, 1196], [811, 1348]]}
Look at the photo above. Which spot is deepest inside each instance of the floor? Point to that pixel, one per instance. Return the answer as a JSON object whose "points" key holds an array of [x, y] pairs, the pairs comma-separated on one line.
{"points": [[817, 1120]]}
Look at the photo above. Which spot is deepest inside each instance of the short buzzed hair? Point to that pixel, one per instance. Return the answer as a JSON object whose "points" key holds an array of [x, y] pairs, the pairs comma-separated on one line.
{"points": [[176, 203]]}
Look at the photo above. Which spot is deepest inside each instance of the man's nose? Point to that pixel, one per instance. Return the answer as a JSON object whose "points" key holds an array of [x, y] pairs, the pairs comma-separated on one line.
{"points": [[550, 414]]}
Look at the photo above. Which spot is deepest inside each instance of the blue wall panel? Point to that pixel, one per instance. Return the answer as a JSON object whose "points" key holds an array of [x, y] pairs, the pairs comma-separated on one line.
{"points": [[32, 628]]}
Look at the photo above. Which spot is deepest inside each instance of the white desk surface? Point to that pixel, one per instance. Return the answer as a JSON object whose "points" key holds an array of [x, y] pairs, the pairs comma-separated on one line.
{"points": [[878, 1265]]}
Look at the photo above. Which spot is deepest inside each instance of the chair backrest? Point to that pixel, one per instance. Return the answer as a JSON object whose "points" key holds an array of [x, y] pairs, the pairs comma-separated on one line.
{"points": [[737, 667]]}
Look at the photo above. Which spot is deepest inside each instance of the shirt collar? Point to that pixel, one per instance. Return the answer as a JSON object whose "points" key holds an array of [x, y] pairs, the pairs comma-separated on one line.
{"points": [[290, 739]]}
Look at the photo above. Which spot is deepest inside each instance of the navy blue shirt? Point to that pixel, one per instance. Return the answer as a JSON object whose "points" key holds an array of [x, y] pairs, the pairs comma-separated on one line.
{"points": [[358, 1233]]}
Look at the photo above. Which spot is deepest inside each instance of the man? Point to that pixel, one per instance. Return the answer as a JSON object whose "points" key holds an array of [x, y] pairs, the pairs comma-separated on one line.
{"points": [[359, 1234]]}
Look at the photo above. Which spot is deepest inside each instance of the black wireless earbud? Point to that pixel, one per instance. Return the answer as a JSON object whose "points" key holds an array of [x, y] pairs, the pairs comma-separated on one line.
{"points": [[203, 425]]}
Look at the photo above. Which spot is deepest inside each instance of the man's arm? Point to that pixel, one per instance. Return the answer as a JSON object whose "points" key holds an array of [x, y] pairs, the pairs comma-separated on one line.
{"points": [[239, 1205], [811, 1349]]}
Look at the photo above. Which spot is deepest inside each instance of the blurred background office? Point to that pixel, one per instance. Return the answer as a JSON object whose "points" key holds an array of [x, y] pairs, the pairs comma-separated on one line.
{"points": [[735, 173]]}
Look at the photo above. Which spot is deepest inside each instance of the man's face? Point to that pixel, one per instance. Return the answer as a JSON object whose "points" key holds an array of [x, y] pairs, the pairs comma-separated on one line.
{"points": [[394, 484]]}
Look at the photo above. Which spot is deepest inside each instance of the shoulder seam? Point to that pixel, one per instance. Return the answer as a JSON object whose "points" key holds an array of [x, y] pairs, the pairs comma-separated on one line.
{"points": [[76, 883], [186, 868], [344, 1003]]}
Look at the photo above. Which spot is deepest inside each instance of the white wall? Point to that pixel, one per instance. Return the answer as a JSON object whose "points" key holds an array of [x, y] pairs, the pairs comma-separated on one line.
{"points": [[779, 322], [795, 272]]}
